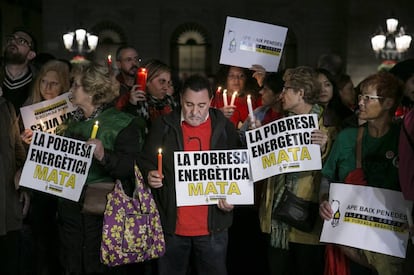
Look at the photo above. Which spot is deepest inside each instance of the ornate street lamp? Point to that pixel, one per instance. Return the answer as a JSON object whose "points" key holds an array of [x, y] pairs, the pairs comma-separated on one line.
{"points": [[392, 44], [80, 36]]}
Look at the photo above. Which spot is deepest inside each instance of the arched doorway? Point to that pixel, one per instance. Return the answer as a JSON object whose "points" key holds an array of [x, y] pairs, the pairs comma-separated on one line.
{"points": [[190, 48]]}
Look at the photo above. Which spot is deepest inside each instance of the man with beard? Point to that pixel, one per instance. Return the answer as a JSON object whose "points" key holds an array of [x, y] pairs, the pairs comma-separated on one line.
{"points": [[127, 61], [18, 75]]}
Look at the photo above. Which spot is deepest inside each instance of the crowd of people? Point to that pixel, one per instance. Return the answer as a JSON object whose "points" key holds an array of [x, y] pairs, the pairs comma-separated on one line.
{"points": [[45, 234]]}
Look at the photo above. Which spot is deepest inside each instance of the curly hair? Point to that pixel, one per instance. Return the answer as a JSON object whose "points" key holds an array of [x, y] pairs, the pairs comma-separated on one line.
{"points": [[97, 82], [305, 78]]}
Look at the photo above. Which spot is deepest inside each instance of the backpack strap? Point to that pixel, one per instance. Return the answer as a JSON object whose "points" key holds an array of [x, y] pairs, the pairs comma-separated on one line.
{"points": [[358, 150]]}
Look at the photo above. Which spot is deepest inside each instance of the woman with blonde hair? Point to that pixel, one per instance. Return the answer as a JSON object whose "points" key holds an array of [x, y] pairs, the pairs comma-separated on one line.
{"points": [[118, 143]]}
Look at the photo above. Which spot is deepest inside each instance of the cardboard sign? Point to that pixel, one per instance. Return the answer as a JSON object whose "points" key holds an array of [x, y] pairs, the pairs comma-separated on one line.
{"points": [[368, 218], [45, 116], [247, 42], [284, 146], [57, 165], [203, 177]]}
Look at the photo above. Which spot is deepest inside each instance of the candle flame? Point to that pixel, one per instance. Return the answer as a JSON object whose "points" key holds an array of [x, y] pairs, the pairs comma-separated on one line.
{"points": [[96, 122], [159, 151], [109, 58]]}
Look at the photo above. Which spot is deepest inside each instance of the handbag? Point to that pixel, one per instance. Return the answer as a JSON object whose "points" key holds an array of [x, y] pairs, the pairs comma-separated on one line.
{"points": [[132, 230], [296, 212], [94, 198]]}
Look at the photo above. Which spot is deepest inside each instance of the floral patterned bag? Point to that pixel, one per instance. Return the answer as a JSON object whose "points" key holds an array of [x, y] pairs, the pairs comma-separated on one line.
{"points": [[132, 230]]}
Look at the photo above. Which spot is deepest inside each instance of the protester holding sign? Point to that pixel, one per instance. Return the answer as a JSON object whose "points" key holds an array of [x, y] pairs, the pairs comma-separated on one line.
{"points": [[379, 98], [294, 251], [196, 233], [52, 80], [118, 141], [238, 83]]}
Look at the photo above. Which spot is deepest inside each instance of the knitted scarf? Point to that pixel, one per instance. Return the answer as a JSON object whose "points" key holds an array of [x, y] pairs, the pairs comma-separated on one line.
{"points": [[279, 235]]}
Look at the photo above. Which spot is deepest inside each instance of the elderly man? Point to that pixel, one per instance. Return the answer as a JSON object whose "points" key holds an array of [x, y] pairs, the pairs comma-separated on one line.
{"points": [[198, 232]]}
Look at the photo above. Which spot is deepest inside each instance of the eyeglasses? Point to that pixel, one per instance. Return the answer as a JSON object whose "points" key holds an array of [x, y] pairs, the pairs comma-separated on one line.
{"points": [[130, 59], [287, 88], [367, 98], [19, 40], [234, 77]]}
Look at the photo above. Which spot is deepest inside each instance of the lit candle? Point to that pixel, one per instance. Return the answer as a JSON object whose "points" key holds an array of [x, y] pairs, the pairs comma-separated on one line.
{"points": [[141, 79], [109, 63], [95, 129], [160, 161], [233, 98], [225, 97], [250, 108]]}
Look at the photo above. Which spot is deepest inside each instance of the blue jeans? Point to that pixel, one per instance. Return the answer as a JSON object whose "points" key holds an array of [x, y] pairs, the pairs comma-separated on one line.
{"points": [[207, 254]]}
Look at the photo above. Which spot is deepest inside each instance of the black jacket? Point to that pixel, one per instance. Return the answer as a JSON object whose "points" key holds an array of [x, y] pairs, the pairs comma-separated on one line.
{"points": [[166, 133]]}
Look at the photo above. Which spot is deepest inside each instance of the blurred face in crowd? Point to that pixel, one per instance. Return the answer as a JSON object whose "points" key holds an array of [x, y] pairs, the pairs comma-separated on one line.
{"points": [[269, 97], [326, 90], [79, 96], [160, 85], [347, 94], [195, 106], [372, 106], [409, 88], [18, 48], [291, 98], [50, 86], [128, 62], [236, 79]]}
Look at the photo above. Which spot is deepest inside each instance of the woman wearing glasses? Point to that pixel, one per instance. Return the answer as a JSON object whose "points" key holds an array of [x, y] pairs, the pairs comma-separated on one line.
{"points": [[291, 250], [379, 98], [155, 100]]}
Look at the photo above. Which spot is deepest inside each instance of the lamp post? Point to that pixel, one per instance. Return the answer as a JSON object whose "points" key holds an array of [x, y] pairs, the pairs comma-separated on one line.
{"points": [[81, 36], [392, 44]]}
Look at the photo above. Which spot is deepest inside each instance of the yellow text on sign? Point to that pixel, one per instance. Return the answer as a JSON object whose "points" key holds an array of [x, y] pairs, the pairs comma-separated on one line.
{"points": [[57, 177], [219, 187], [286, 155]]}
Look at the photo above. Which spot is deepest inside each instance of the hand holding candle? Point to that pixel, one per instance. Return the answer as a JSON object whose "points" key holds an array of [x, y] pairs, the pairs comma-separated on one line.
{"points": [[160, 162], [95, 129], [225, 97], [142, 79], [233, 98]]}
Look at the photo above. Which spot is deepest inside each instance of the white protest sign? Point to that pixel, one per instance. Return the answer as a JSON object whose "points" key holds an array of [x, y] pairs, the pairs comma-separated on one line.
{"points": [[203, 177], [247, 42], [46, 115], [367, 218], [57, 165], [284, 146]]}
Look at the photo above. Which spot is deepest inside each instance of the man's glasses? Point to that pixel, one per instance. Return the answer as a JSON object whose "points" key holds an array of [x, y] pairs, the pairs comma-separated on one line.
{"points": [[19, 40], [287, 88], [367, 98], [130, 59]]}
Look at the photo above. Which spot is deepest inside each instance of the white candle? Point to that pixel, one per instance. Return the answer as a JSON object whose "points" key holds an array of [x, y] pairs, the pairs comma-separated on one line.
{"points": [[233, 98], [249, 106], [225, 97]]}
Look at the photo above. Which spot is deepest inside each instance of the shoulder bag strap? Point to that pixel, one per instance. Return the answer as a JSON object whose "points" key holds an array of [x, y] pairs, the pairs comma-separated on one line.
{"points": [[359, 147]]}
